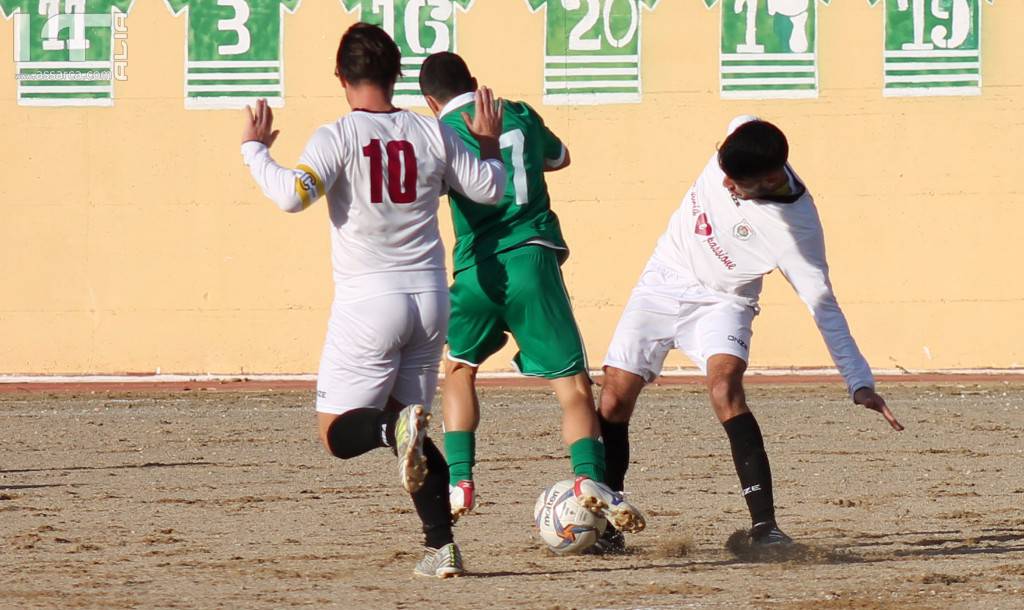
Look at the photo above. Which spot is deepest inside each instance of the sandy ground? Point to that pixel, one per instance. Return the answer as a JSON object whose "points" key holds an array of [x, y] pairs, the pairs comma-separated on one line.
{"points": [[224, 500]]}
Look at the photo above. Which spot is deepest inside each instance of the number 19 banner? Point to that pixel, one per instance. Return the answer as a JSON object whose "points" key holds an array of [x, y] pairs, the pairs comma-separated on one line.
{"points": [[769, 48], [234, 51], [932, 47], [592, 50]]}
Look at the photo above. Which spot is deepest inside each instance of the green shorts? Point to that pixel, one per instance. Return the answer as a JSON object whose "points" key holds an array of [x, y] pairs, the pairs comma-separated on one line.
{"points": [[518, 292]]}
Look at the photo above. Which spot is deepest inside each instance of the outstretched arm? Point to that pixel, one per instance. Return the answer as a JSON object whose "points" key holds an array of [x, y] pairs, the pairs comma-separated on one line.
{"points": [[293, 190], [805, 268]]}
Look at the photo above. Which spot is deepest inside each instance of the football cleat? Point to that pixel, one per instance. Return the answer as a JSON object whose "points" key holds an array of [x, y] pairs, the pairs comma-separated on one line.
{"points": [[442, 563], [462, 497], [410, 432], [600, 499], [611, 542], [767, 533]]}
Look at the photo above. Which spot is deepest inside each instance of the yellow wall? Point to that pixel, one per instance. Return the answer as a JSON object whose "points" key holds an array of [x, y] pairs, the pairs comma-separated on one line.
{"points": [[133, 239]]}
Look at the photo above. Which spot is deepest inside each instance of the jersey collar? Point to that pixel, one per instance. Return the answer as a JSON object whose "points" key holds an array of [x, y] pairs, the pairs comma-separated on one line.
{"points": [[457, 102]]}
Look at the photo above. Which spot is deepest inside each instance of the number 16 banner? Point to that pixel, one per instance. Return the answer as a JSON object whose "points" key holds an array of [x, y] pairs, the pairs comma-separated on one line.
{"points": [[932, 47], [769, 48], [234, 51], [420, 28], [592, 50]]}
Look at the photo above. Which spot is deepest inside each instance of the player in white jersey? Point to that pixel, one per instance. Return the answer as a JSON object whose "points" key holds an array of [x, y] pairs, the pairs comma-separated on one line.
{"points": [[747, 214], [383, 171]]}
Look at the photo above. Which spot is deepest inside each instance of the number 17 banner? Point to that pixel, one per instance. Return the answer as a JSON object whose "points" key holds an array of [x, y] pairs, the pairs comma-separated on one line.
{"points": [[769, 48], [932, 47], [234, 51]]}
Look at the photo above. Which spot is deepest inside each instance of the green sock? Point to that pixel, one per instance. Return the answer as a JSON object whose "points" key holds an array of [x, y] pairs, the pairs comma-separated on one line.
{"points": [[460, 451], [587, 457]]}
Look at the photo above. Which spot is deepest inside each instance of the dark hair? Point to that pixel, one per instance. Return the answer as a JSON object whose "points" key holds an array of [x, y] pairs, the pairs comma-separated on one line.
{"points": [[368, 54], [445, 75], [753, 150]]}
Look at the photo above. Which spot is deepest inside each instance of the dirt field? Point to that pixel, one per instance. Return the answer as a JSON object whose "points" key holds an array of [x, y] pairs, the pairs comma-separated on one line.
{"points": [[224, 500]]}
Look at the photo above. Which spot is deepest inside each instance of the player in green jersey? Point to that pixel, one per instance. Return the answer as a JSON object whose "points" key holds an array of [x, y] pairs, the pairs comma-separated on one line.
{"points": [[508, 280]]}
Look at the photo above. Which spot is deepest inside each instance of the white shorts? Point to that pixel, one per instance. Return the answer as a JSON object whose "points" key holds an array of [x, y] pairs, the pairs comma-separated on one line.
{"points": [[667, 310], [381, 347]]}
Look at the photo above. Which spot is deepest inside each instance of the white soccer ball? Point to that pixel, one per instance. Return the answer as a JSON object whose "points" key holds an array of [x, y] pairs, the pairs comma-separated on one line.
{"points": [[565, 526]]}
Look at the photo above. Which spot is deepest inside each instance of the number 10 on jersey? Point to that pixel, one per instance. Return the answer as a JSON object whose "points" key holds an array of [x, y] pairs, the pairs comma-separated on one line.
{"points": [[401, 168]]}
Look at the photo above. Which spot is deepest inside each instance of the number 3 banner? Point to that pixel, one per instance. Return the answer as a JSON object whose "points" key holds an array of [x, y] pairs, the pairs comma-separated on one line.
{"points": [[592, 51], [419, 27], [769, 48], [234, 51], [932, 47]]}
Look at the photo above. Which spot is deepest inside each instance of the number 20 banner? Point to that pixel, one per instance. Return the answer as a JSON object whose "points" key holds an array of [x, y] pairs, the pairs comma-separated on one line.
{"points": [[932, 47], [592, 50], [234, 51], [769, 48]]}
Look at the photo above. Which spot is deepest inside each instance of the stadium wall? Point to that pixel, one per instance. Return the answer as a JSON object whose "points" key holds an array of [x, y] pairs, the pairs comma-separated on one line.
{"points": [[135, 241]]}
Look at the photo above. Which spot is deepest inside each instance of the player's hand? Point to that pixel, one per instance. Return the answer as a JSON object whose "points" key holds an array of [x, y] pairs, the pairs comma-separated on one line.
{"points": [[866, 397], [489, 113], [259, 124]]}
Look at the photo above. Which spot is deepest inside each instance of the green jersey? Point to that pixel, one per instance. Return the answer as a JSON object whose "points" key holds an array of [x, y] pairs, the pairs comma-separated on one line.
{"points": [[65, 50], [524, 214], [420, 28], [769, 49], [234, 52], [932, 48], [592, 50]]}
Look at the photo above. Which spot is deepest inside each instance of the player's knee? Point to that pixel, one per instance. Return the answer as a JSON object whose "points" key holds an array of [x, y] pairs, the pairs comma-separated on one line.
{"points": [[614, 406], [727, 396]]}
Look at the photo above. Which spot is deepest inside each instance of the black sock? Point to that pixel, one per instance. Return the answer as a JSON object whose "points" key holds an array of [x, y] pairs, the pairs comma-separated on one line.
{"points": [[432, 504], [752, 466], [358, 431], [616, 452]]}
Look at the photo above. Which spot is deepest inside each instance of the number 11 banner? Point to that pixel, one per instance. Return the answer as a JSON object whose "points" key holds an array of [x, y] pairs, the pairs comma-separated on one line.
{"points": [[234, 51], [420, 28], [769, 48], [932, 47], [592, 50]]}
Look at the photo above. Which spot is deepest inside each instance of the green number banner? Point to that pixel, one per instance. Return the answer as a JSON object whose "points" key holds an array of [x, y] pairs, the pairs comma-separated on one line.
{"points": [[592, 50], [234, 51], [419, 27], [64, 50], [932, 47], [769, 48]]}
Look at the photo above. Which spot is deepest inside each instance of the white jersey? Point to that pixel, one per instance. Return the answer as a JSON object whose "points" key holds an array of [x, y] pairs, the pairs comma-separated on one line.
{"points": [[383, 175], [728, 245]]}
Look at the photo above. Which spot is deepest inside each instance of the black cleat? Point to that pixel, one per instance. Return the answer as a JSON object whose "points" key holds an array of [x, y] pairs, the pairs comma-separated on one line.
{"points": [[767, 533], [611, 542]]}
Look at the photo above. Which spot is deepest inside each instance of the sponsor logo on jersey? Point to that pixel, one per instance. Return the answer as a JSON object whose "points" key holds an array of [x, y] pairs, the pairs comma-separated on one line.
{"points": [[743, 231], [703, 226], [720, 253]]}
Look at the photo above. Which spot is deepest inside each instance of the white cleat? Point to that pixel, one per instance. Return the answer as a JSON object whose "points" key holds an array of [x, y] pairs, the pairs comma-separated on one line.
{"points": [[600, 499], [410, 432], [444, 562]]}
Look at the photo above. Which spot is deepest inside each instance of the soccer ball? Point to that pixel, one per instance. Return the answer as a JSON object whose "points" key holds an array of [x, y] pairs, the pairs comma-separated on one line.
{"points": [[565, 526]]}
